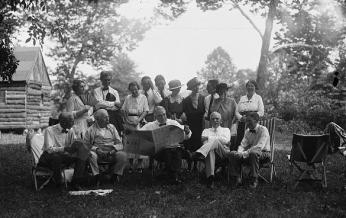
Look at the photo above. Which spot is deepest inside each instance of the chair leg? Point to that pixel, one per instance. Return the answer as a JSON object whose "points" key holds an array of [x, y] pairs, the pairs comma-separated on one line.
{"points": [[35, 180], [299, 179], [272, 172], [324, 180], [45, 182], [64, 178], [262, 177]]}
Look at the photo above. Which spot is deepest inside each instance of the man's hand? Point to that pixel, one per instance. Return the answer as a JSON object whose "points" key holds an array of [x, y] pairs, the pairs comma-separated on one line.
{"points": [[186, 129], [204, 138], [112, 152], [101, 153]]}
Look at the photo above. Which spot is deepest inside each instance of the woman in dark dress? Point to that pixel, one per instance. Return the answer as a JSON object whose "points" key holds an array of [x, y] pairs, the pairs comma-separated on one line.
{"points": [[173, 103], [193, 107]]}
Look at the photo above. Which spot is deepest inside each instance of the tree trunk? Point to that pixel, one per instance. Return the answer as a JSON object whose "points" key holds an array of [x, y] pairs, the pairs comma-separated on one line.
{"points": [[262, 66]]}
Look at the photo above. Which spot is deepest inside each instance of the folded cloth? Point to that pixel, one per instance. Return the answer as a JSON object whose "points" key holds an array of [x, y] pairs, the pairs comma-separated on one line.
{"points": [[337, 137]]}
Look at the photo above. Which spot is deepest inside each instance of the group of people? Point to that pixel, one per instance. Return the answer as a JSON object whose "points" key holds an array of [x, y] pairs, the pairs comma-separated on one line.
{"points": [[94, 127]]}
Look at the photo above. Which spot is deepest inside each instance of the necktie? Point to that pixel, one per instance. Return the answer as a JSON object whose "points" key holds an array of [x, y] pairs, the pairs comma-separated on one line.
{"points": [[211, 102], [252, 131], [64, 131], [146, 94], [162, 124], [162, 95], [105, 88]]}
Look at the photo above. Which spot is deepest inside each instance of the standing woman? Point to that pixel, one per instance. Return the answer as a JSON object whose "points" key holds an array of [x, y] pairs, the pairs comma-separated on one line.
{"points": [[173, 103], [251, 102], [193, 107], [135, 108], [226, 106], [81, 111]]}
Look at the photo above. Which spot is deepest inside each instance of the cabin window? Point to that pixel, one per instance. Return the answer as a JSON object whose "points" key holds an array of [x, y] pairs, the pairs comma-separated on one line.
{"points": [[3, 96]]}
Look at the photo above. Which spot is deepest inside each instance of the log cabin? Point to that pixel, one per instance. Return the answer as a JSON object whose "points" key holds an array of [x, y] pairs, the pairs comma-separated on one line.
{"points": [[25, 102]]}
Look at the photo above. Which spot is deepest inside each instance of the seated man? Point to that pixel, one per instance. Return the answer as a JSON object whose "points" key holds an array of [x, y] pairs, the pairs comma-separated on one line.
{"points": [[105, 144], [215, 140], [254, 147], [61, 148], [171, 156]]}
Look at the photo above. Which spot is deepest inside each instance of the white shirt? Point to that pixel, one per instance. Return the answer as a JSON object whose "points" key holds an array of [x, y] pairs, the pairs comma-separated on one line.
{"points": [[55, 140], [260, 139], [154, 98], [155, 125], [100, 96], [253, 104], [220, 133]]}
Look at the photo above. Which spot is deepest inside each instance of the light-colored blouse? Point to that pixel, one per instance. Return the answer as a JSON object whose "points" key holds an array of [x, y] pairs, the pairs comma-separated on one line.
{"points": [[135, 106], [255, 103], [74, 104]]}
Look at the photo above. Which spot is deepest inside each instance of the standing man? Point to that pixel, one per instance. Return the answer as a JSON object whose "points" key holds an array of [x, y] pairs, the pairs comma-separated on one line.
{"points": [[215, 140], [160, 84], [105, 144], [153, 97], [171, 156], [209, 99], [108, 98], [254, 147], [62, 147]]}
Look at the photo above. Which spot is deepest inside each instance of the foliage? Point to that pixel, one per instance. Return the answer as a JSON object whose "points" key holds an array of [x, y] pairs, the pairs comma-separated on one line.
{"points": [[219, 66]]}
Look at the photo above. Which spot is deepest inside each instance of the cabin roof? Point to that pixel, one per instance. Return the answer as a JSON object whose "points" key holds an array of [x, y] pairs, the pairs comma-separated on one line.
{"points": [[31, 67]]}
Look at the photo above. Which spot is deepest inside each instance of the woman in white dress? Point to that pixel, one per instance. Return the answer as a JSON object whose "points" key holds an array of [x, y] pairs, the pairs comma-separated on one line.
{"points": [[135, 108]]}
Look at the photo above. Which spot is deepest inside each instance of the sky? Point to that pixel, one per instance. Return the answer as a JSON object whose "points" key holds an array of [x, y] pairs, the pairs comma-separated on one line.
{"points": [[178, 49]]}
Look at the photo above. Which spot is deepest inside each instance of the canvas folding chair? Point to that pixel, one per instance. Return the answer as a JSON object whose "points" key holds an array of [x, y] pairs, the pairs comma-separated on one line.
{"points": [[310, 151], [270, 124], [34, 145]]}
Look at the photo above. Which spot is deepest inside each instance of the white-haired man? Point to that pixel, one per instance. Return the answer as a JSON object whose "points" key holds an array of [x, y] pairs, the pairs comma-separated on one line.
{"points": [[215, 140], [105, 144], [171, 156]]}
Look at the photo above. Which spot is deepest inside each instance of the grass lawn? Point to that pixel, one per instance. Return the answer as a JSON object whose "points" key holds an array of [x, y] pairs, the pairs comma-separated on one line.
{"points": [[136, 196]]}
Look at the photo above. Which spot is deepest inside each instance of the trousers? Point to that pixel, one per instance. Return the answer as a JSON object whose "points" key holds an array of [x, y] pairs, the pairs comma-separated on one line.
{"points": [[253, 160], [208, 150], [119, 160]]}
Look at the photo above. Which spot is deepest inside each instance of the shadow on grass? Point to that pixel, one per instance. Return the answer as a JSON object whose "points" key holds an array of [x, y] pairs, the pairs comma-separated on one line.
{"points": [[140, 195]]}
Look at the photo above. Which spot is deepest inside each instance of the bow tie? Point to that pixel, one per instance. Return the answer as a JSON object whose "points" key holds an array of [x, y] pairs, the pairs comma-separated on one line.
{"points": [[105, 88], [252, 131], [162, 124], [64, 130]]}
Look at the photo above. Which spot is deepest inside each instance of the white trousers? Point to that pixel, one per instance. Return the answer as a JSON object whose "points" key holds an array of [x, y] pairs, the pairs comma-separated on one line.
{"points": [[208, 150]]}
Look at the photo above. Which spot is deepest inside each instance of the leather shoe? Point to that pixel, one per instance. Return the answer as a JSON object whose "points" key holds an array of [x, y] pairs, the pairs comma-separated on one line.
{"points": [[196, 156], [254, 184]]}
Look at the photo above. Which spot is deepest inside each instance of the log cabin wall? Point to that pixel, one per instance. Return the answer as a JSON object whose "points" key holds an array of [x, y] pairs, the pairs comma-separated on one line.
{"points": [[13, 106], [24, 106]]}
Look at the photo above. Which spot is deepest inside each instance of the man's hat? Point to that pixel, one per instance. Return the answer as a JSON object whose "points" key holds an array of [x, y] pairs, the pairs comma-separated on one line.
{"points": [[174, 84], [192, 83], [213, 82]]}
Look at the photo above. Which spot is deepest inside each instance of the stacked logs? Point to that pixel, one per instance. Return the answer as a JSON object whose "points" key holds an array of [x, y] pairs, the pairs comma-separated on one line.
{"points": [[37, 105], [12, 107], [25, 106]]}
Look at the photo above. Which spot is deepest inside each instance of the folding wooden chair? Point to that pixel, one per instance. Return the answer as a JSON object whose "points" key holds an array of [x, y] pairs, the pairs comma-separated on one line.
{"points": [[270, 124], [34, 145], [310, 151]]}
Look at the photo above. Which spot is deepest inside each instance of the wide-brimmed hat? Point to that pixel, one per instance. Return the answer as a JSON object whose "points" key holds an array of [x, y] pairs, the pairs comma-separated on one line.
{"points": [[174, 84], [192, 83], [221, 87]]}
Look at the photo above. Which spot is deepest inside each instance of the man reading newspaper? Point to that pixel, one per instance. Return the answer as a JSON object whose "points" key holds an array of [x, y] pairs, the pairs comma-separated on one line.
{"points": [[171, 155]]}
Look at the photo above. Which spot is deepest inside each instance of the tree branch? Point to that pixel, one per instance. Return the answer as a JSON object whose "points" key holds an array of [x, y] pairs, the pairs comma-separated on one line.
{"points": [[236, 5]]}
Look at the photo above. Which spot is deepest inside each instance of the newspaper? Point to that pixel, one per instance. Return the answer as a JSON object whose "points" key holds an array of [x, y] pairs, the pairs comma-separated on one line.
{"points": [[148, 142]]}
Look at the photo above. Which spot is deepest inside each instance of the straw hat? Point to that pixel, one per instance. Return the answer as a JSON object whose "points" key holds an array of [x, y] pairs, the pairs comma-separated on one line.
{"points": [[174, 84]]}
